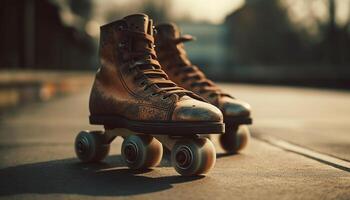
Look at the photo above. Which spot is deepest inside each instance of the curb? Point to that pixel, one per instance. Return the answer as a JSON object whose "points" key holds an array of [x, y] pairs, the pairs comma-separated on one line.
{"points": [[22, 87]]}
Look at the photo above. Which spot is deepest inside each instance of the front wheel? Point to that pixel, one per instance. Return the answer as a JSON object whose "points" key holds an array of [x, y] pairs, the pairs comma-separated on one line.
{"points": [[193, 156]]}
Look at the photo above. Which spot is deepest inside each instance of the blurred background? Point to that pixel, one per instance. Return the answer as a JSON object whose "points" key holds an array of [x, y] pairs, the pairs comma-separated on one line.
{"points": [[289, 59], [290, 42], [293, 41]]}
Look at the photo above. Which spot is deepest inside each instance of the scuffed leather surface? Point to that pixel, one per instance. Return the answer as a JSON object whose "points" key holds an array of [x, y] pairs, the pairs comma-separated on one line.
{"points": [[167, 34], [234, 107], [188, 109], [115, 91]]}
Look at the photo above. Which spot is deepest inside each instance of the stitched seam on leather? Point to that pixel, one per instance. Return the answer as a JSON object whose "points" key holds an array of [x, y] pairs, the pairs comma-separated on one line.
{"points": [[134, 94], [125, 85], [137, 96]]}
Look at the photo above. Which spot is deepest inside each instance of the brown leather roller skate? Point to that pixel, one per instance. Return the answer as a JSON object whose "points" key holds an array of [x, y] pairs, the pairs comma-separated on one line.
{"points": [[133, 97], [173, 58]]}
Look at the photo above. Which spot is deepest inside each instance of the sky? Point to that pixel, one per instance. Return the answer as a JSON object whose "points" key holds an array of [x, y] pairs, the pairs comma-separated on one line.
{"points": [[212, 11], [215, 11], [306, 13], [302, 12]]}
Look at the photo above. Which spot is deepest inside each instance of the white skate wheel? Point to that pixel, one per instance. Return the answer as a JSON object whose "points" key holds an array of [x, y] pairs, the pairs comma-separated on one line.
{"points": [[141, 151], [235, 138], [193, 156]]}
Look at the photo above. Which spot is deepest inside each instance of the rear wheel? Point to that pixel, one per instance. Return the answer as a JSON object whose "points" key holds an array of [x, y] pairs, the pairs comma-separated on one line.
{"points": [[235, 138], [90, 146]]}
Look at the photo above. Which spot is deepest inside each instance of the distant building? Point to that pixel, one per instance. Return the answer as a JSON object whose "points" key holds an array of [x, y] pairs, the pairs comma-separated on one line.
{"points": [[34, 35], [266, 47]]}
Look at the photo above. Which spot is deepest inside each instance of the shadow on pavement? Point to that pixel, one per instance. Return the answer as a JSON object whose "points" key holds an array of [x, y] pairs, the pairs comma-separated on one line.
{"points": [[223, 155], [68, 176]]}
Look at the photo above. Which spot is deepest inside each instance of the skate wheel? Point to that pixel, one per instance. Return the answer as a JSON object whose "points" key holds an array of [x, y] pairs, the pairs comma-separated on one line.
{"points": [[141, 151], [91, 146], [193, 156], [235, 138]]}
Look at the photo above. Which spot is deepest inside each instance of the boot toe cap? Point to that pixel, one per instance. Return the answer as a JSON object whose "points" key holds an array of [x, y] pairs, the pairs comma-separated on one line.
{"points": [[191, 110], [235, 108]]}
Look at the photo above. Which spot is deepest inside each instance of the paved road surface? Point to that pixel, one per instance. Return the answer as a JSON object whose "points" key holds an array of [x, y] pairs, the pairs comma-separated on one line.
{"points": [[37, 160], [316, 119]]}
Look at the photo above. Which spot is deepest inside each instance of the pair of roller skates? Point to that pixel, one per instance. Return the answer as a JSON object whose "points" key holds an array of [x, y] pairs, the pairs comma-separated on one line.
{"points": [[134, 98]]}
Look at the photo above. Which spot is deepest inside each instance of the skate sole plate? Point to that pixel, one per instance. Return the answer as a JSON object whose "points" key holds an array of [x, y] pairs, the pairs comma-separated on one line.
{"points": [[238, 120], [159, 128]]}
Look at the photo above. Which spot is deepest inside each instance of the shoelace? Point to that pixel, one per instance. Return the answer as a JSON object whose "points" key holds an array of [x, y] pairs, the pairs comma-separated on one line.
{"points": [[191, 72], [150, 72]]}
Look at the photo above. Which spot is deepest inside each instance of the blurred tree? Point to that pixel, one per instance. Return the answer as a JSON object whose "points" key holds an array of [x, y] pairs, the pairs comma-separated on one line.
{"points": [[37, 37], [82, 8], [262, 33], [336, 41], [156, 9]]}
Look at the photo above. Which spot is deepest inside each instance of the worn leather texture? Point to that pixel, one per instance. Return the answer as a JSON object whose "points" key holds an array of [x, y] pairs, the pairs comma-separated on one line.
{"points": [[172, 56], [131, 83]]}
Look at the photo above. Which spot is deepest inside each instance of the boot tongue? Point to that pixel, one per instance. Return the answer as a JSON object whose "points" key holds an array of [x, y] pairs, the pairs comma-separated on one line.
{"points": [[139, 23], [142, 24], [168, 30]]}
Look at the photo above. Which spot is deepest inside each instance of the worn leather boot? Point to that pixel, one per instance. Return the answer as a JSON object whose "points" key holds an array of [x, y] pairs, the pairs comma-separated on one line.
{"points": [[172, 56], [132, 91]]}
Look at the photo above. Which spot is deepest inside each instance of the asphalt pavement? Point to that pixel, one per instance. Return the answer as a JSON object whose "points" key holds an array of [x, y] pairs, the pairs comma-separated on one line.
{"points": [[37, 159]]}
